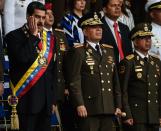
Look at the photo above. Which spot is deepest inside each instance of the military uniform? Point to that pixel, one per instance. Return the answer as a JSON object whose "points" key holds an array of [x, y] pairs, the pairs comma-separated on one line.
{"points": [[141, 88], [156, 28], [60, 52], [93, 80]]}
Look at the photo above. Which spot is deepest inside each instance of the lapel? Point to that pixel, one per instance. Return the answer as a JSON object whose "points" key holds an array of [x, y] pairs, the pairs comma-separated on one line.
{"points": [[139, 61], [108, 33]]}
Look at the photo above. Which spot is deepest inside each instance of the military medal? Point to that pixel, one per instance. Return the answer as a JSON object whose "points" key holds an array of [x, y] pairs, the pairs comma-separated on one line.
{"points": [[90, 62], [42, 61], [139, 75], [105, 51], [142, 62], [152, 62]]}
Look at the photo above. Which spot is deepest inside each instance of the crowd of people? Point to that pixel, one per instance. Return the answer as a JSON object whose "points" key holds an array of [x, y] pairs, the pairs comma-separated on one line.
{"points": [[95, 63]]}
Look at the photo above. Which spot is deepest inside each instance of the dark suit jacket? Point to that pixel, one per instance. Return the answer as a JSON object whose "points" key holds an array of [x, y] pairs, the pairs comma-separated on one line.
{"points": [[98, 92], [22, 53], [108, 38], [141, 88]]}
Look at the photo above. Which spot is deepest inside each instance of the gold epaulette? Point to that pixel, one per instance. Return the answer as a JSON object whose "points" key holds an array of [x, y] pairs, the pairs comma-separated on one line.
{"points": [[78, 45], [108, 46], [60, 30], [129, 57], [155, 56]]}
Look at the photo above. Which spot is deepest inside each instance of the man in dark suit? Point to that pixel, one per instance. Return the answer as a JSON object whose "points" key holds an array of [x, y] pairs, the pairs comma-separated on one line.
{"points": [[141, 83], [93, 80], [31, 59], [114, 32]]}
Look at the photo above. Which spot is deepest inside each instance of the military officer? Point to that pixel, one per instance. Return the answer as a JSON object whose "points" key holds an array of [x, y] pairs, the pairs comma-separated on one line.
{"points": [[153, 7], [93, 79], [140, 82]]}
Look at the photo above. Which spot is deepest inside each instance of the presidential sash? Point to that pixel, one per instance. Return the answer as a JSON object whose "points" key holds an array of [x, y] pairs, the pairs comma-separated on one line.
{"points": [[37, 69]]}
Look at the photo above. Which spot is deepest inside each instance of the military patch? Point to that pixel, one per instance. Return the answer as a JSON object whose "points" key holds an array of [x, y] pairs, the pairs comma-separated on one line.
{"points": [[122, 69], [138, 70], [152, 62], [142, 63], [62, 45], [129, 57], [90, 50], [139, 75]]}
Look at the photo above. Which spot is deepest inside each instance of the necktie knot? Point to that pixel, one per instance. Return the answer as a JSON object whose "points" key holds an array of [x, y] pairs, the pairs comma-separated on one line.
{"points": [[115, 25], [146, 59], [97, 48]]}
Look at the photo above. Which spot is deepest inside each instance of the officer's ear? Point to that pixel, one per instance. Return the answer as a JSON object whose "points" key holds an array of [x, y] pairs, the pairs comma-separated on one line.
{"points": [[135, 43], [104, 10], [85, 31]]}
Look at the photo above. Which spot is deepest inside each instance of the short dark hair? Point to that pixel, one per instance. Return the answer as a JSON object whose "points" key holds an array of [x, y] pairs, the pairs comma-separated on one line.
{"points": [[34, 5], [105, 2], [71, 4]]}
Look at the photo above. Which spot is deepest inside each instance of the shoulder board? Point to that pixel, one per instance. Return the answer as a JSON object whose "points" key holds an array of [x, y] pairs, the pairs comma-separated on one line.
{"points": [[129, 57], [155, 56], [78, 46], [60, 30], [108, 46]]}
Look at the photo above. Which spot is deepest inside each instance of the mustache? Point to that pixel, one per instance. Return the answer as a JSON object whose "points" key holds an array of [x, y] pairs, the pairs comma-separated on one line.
{"points": [[39, 24]]}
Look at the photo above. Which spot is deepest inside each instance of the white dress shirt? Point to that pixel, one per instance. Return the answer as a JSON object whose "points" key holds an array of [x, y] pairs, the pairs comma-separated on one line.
{"points": [[156, 40]]}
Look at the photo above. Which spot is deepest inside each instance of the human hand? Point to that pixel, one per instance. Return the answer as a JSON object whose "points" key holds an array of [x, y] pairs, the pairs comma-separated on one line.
{"points": [[81, 110], [32, 24], [129, 122], [118, 112]]}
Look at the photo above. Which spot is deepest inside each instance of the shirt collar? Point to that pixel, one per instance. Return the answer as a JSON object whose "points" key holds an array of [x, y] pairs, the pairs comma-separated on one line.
{"points": [[92, 44], [109, 21], [48, 29], [141, 54]]}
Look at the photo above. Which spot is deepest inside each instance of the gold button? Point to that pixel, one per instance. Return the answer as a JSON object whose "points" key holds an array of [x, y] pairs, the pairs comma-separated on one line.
{"points": [[106, 66], [148, 101], [149, 92], [149, 84], [136, 105], [103, 89], [100, 66], [102, 81], [109, 89], [155, 75], [101, 73], [108, 81], [156, 84], [108, 74], [89, 97], [156, 101]]}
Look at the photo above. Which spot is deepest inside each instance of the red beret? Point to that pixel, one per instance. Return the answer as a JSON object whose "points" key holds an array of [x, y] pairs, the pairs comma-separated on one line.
{"points": [[48, 6]]}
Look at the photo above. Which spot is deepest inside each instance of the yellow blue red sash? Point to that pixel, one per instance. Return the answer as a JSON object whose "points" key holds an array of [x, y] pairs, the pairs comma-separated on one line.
{"points": [[35, 71]]}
